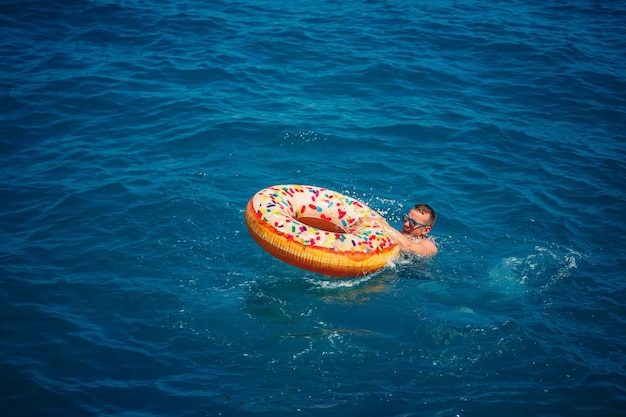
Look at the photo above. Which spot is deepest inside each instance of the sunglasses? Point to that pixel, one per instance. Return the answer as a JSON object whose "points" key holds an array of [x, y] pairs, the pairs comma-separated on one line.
{"points": [[414, 224]]}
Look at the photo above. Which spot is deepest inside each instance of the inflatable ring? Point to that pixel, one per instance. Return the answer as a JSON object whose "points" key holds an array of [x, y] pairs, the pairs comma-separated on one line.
{"points": [[308, 227]]}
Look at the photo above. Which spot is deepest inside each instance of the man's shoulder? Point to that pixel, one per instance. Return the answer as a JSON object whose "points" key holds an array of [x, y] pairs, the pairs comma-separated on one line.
{"points": [[429, 246], [423, 246]]}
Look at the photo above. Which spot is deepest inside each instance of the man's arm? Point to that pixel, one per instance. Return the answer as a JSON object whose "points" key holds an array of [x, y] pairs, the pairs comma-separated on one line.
{"points": [[423, 246]]}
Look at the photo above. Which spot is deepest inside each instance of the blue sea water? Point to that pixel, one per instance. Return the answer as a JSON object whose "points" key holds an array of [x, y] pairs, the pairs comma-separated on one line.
{"points": [[133, 133]]}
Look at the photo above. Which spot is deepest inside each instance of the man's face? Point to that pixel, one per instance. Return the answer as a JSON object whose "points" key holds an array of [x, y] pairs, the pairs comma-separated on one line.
{"points": [[416, 224]]}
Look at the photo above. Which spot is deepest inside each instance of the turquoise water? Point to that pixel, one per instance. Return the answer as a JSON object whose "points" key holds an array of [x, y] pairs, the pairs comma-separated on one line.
{"points": [[133, 133]]}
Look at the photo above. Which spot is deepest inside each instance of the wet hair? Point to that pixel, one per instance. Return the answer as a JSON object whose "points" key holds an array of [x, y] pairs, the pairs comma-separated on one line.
{"points": [[426, 209]]}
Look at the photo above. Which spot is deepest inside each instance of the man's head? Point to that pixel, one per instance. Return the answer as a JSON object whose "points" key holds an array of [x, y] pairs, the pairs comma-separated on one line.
{"points": [[419, 221]]}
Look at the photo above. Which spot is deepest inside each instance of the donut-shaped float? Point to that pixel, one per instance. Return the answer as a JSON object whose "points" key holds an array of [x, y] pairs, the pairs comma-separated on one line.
{"points": [[308, 227]]}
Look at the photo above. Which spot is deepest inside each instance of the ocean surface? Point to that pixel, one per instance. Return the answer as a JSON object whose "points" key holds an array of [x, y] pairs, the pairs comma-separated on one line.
{"points": [[133, 133]]}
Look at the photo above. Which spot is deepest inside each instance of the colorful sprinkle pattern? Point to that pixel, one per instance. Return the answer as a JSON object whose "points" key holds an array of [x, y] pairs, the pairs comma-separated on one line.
{"points": [[280, 207]]}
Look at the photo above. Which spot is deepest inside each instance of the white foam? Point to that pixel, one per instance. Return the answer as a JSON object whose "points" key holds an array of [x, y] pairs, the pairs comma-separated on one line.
{"points": [[333, 283]]}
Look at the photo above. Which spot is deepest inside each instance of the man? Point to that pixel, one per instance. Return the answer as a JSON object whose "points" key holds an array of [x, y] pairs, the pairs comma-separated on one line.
{"points": [[417, 224]]}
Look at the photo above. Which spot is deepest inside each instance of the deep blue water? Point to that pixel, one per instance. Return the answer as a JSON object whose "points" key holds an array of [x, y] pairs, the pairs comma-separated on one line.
{"points": [[133, 133]]}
